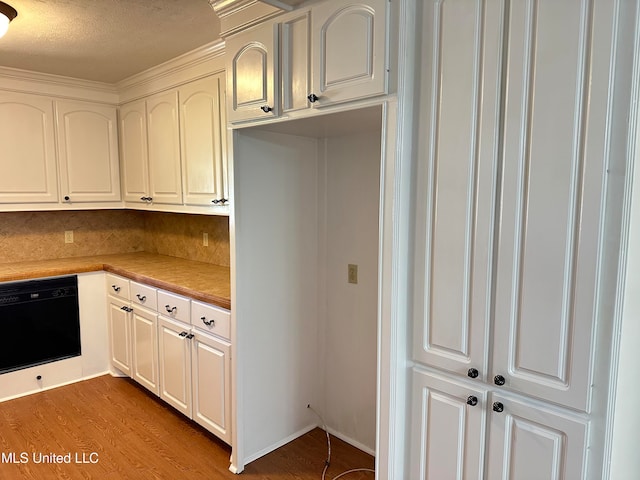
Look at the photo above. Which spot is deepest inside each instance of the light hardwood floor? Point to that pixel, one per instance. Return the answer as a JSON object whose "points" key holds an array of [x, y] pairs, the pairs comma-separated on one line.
{"points": [[133, 435]]}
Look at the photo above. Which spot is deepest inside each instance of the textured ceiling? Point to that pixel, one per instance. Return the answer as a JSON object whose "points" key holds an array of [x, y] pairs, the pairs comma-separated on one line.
{"points": [[104, 40]]}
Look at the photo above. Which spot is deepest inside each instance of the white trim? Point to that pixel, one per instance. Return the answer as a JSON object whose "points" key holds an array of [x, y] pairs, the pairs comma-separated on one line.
{"points": [[351, 441], [200, 62], [279, 444], [25, 81]]}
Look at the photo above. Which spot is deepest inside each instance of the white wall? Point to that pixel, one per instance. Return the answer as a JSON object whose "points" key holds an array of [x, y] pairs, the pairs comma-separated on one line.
{"points": [[349, 323], [276, 248], [304, 209]]}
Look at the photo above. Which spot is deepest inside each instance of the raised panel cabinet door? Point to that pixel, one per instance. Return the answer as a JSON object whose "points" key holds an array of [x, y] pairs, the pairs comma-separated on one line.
{"points": [[144, 326], [527, 442], [349, 50], [203, 141], [251, 75], [448, 429], [296, 61], [174, 356], [552, 199], [163, 134], [88, 152], [120, 336], [133, 151], [211, 359], [457, 182], [28, 161]]}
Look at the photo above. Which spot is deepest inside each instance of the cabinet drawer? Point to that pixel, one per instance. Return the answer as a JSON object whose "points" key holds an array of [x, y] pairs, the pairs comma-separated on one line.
{"points": [[173, 306], [211, 319], [144, 295], [118, 287]]}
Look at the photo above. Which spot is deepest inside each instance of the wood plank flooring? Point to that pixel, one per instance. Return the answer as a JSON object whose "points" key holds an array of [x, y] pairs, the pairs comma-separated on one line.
{"points": [[130, 434]]}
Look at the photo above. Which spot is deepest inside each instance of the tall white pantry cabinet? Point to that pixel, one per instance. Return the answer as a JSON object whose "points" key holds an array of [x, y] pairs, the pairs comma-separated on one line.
{"points": [[522, 141]]}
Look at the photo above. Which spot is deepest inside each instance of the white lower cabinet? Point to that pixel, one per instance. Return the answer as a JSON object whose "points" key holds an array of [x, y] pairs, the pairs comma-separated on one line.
{"points": [[144, 341], [211, 386], [175, 347], [525, 440], [533, 442], [448, 431], [119, 334], [175, 364]]}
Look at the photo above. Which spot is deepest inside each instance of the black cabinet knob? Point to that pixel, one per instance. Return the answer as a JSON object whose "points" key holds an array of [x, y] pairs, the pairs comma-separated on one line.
{"points": [[499, 380], [66, 198], [312, 97], [266, 108], [473, 373], [498, 407], [472, 400]]}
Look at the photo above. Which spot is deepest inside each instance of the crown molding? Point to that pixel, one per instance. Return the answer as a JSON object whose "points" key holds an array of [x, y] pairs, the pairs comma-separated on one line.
{"points": [[26, 81], [238, 15], [200, 62]]}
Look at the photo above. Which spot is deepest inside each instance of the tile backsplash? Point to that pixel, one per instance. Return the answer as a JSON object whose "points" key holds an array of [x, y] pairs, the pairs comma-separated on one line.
{"points": [[41, 235]]}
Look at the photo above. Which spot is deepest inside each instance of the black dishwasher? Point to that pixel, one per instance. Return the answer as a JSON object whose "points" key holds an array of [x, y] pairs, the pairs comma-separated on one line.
{"points": [[39, 322]]}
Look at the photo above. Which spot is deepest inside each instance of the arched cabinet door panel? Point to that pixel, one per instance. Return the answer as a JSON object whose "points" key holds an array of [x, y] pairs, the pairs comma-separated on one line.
{"points": [[349, 51], [251, 75], [28, 160], [88, 152]]}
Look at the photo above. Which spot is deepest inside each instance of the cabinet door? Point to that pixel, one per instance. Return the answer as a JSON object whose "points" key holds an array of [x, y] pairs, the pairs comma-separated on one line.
{"points": [[211, 360], [531, 443], [174, 354], [165, 179], [203, 141], [296, 60], [349, 50], [552, 200], [144, 330], [133, 150], [447, 436], [28, 160], [457, 182], [252, 78], [88, 152], [119, 336]]}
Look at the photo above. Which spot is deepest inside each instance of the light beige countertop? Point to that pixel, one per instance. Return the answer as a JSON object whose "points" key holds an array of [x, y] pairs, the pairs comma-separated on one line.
{"points": [[201, 281]]}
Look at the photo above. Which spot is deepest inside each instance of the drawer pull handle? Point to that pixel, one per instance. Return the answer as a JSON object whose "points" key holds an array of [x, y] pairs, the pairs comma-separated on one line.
{"points": [[116, 288], [208, 323], [142, 298], [313, 98], [170, 309], [182, 334], [190, 336], [266, 108]]}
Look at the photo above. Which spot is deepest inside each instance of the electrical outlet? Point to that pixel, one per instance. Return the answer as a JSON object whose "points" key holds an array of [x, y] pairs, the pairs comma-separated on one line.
{"points": [[68, 236], [352, 273], [205, 239]]}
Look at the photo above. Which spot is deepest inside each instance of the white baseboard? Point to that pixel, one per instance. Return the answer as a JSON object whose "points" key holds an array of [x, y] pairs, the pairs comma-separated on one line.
{"points": [[279, 444], [352, 442]]}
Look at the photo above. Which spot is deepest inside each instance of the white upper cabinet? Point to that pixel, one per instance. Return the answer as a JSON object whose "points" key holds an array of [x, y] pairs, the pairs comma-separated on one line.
{"points": [[28, 160], [165, 178], [295, 32], [457, 181], [203, 141], [349, 51], [252, 57], [133, 150], [87, 152], [552, 202]]}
